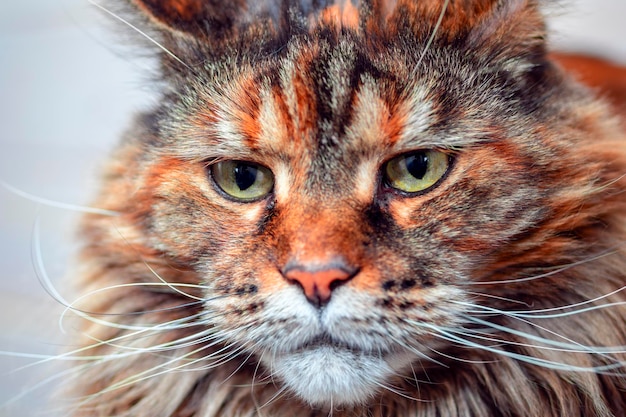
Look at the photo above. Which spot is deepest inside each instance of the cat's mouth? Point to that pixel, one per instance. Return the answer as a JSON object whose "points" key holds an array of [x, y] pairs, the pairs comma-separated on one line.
{"points": [[326, 370], [328, 341]]}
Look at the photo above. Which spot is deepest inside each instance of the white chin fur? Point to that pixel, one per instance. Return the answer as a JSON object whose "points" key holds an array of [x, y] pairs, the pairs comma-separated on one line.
{"points": [[330, 376]]}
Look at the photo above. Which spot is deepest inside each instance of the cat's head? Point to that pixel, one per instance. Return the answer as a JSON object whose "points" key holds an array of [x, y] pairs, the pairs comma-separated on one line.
{"points": [[350, 183]]}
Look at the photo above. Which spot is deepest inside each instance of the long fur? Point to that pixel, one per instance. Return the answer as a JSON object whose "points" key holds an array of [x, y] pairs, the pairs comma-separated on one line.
{"points": [[500, 291]]}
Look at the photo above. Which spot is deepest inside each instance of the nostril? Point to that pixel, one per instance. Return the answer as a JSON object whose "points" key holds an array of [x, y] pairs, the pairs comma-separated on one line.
{"points": [[318, 282]]}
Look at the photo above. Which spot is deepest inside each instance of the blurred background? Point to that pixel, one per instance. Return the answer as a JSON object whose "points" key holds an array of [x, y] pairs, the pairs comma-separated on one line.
{"points": [[67, 91]]}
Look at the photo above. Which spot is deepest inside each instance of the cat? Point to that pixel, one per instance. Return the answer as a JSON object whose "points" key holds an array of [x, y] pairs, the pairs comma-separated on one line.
{"points": [[372, 208]]}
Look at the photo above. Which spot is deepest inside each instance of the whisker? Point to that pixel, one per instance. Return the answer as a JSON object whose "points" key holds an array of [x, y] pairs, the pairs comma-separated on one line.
{"points": [[147, 374], [172, 287], [570, 346], [142, 33], [254, 384], [243, 362], [89, 316], [510, 300], [39, 385], [448, 336], [417, 352], [74, 355], [398, 392], [547, 274], [432, 35], [58, 204], [157, 275], [164, 368], [279, 393], [534, 313], [503, 342], [39, 265]]}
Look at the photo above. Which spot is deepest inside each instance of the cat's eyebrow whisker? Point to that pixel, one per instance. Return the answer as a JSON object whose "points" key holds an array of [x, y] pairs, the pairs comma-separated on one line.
{"points": [[142, 33], [431, 39], [58, 204]]}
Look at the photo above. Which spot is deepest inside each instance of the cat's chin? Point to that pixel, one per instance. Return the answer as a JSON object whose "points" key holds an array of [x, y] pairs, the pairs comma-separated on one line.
{"points": [[327, 376]]}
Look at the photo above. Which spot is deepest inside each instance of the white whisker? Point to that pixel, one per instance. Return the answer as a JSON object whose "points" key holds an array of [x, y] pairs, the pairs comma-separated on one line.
{"points": [[495, 297], [87, 315], [535, 313], [142, 33], [400, 393], [451, 337], [193, 297], [57, 204], [39, 266], [433, 34], [417, 352], [547, 274], [571, 345]]}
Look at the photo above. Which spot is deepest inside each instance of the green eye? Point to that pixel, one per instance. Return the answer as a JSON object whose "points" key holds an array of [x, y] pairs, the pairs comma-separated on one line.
{"points": [[241, 180], [416, 171]]}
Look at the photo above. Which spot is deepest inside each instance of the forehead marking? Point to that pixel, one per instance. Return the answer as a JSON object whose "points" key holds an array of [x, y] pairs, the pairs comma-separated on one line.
{"points": [[365, 180], [283, 181], [273, 123], [417, 113], [226, 128], [370, 117]]}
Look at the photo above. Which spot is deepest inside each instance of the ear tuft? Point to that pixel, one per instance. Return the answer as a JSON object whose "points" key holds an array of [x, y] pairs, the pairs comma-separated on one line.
{"points": [[513, 30], [198, 18]]}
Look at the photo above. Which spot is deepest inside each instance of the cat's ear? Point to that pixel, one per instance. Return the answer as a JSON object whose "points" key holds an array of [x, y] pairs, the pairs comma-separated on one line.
{"points": [[512, 33], [197, 18]]}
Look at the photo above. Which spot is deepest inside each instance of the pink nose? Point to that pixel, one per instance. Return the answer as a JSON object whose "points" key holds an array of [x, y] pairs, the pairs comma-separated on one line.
{"points": [[318, 284]]}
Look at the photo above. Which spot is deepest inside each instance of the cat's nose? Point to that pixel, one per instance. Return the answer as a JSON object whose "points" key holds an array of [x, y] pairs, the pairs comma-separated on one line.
{"points": [[318, 281]]}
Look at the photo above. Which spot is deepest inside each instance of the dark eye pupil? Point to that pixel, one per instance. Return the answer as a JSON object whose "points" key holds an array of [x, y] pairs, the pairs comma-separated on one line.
{"points": [[417, 165], [245, 176]]}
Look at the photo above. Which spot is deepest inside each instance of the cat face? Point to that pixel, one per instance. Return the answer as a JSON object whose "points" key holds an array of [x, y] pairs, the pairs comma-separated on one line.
{"points": [[349, 193]]}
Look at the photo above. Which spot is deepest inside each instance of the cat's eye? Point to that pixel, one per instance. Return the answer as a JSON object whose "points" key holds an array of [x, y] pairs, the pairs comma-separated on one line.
{"points": [[416, 171], [244, 181]]}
